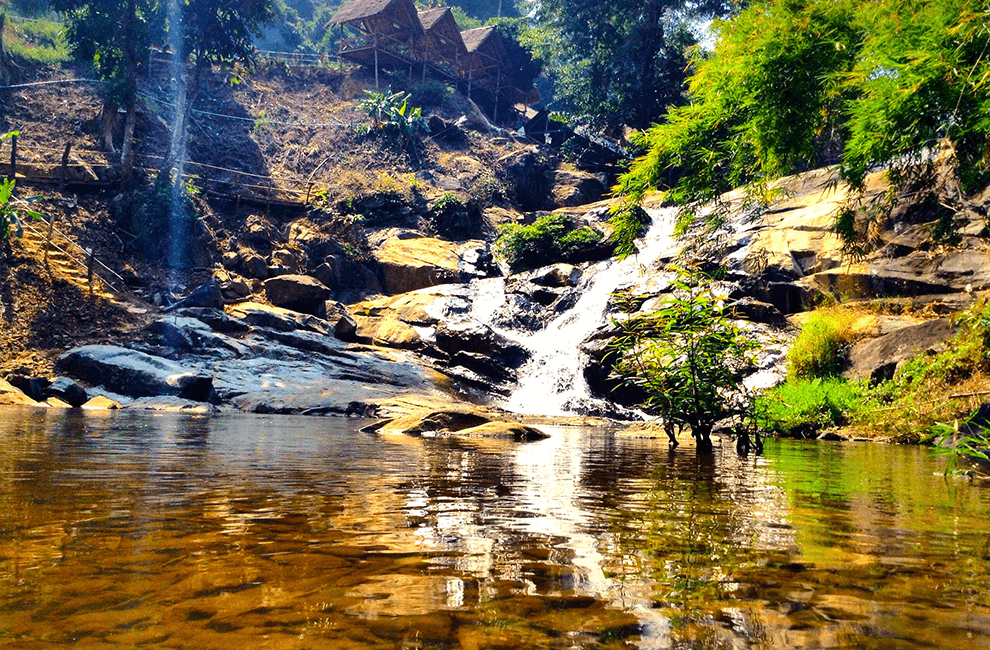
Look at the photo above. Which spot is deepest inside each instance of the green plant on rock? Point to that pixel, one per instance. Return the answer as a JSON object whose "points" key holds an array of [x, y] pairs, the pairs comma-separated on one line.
{"points": [[803, 407], [820, 349], [686, 358], [551, 238]]}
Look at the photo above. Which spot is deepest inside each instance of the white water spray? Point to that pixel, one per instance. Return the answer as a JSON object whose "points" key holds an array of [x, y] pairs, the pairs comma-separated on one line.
{"points": [[177, 146], [553, 380]]}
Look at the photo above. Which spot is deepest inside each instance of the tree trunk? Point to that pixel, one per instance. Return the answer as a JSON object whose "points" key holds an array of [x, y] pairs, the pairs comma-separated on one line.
{"points": [[130, 101], [650, 42], [109, 124]]}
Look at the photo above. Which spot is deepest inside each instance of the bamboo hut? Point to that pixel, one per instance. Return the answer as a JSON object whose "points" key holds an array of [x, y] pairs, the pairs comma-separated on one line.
{"points": [[485, 54], [441, 42], [384, 33]]}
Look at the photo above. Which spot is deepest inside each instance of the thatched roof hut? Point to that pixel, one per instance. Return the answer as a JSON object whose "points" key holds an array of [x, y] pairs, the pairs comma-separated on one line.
{"points": [[387, 31], [441, 36], [485, 52]]}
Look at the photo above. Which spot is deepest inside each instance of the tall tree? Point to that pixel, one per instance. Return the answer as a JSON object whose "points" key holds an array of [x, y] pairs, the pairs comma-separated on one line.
{"points": [[620, 62], [115, 35], [204, 33], [791, 85]]}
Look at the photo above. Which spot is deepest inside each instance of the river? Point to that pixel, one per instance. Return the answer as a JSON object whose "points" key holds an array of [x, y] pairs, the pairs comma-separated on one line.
{"points": [[125, 530]]}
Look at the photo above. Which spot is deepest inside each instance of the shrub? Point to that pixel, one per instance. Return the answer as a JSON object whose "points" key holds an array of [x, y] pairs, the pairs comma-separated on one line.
{"points": [[393, 114], [430, 93], [820, 348], [37, 41], [687, 358], [801, 407], [550, 239]]}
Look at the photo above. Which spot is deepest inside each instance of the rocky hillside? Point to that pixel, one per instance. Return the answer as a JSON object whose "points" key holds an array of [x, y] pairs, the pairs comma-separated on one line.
{"points": [[328, 257], [288, 175]]}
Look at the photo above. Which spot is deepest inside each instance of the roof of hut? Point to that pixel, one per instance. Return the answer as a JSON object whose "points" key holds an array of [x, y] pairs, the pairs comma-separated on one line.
{"points": [[431, 17], [474, 38], [402, 13], [442, 33], [485, 50]]}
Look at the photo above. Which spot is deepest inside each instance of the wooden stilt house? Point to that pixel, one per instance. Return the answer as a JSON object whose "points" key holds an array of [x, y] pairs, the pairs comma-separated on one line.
{"points": [[483, 63], [379, 33], [441, 45]]}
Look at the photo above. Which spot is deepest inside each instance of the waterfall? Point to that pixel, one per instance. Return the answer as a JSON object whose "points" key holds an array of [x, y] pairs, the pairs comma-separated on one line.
{"points": [[552, 382]]}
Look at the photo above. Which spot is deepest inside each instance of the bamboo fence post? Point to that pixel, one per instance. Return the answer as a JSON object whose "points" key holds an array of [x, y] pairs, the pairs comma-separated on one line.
{"points": [[89, 271], [13, 157], [48, 237], [63, 171]]}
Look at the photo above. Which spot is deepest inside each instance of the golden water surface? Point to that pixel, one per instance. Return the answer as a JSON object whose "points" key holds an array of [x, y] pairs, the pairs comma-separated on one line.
{"points": [[128, 530]]}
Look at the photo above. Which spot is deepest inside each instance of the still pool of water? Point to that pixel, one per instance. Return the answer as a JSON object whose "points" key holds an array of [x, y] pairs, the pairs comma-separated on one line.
{"points": [[127, 530]]}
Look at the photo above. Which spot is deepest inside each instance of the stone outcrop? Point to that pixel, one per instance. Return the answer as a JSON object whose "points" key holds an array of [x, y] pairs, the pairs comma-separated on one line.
{"points": [[461, 421], [408, 261], [300, 293], [13, 396], [134, 373], [877, 359]]}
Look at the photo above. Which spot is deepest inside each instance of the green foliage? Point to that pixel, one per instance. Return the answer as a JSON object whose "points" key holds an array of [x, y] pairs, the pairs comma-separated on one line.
{"points": [[687, 358], [820, 349], [802, 407], [391, 113], [430, 93], [925, 390], [13, 210], [551, 238], [620, 62], [969, 445], [764, 104], [629, 221], [37, 41], [793, 85]]}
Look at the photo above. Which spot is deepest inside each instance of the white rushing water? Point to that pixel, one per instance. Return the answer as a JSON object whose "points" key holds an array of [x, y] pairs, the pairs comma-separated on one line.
{"points": [[553, 379]]}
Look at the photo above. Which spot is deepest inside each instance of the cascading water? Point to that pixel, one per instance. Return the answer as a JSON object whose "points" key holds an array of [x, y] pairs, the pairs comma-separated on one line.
{"points": [[177, 147], [553, 382]]}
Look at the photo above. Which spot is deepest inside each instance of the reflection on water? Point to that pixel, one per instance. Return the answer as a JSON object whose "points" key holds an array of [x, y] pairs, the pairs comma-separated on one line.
{"points": [[129, 530]]}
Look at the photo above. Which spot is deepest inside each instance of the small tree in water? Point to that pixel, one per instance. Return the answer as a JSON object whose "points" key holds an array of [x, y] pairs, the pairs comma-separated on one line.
{"points": [[686, 359]]}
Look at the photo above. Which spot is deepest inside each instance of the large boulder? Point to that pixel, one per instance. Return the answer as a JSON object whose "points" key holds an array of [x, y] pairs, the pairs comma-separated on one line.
{"points": [[277, 318], [529, 177], [408, 261], [877, 359], [475, 338], [12, 396], [574, 188], [135, 374], [300, 293], [68, 391]]}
